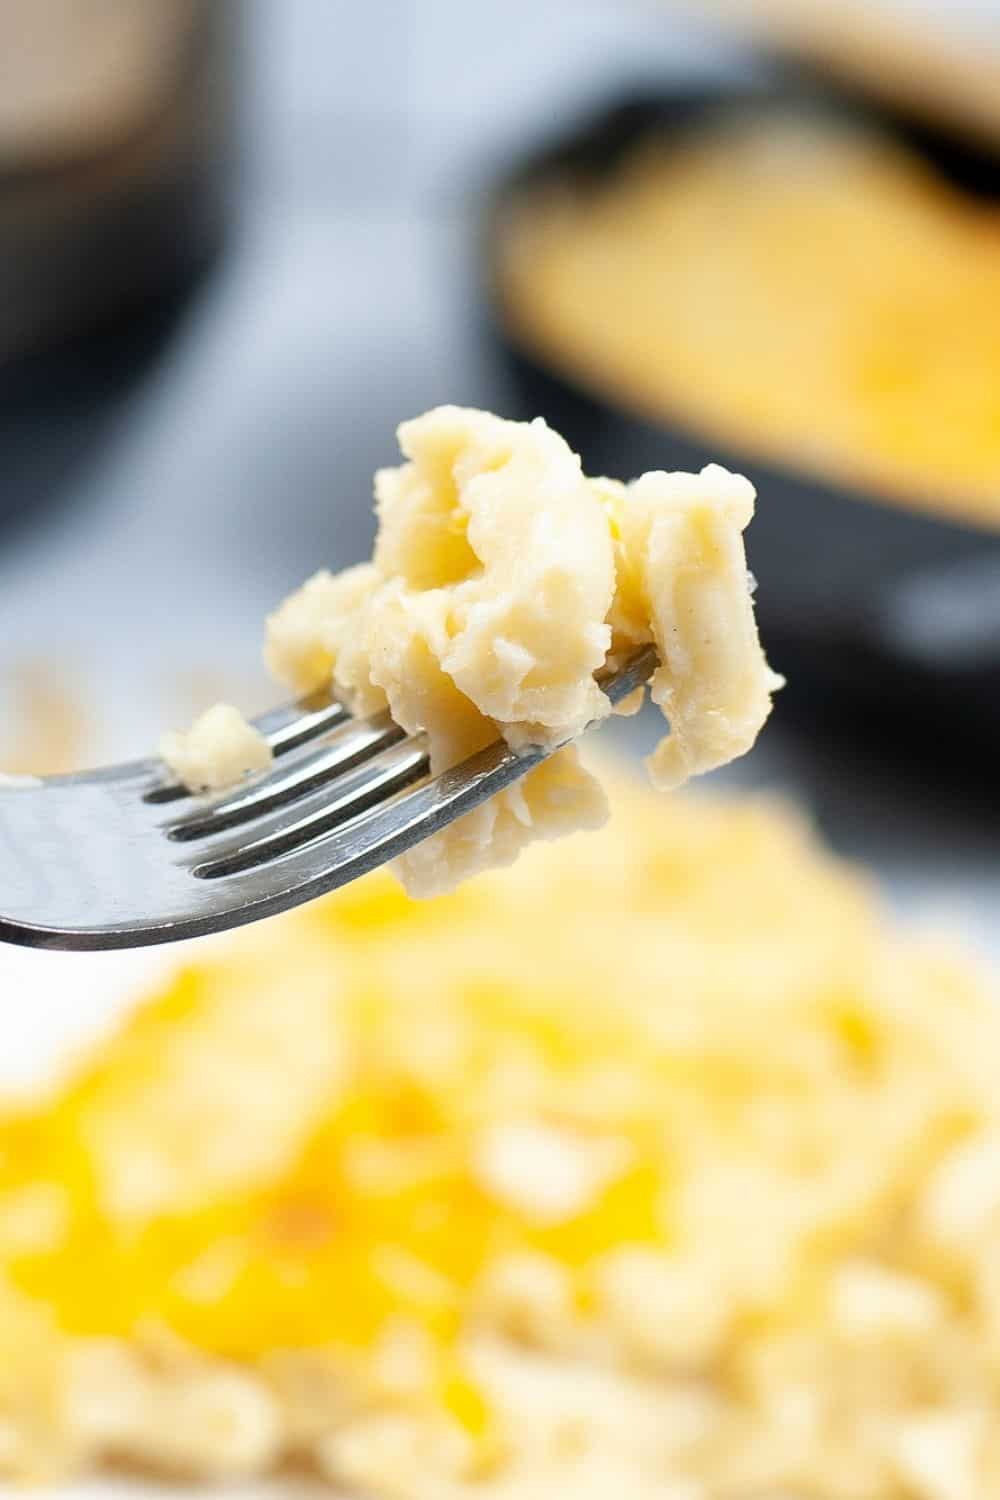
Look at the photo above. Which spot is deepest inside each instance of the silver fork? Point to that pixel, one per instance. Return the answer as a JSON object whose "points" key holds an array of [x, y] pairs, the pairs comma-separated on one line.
{"points": [[119, 858]]}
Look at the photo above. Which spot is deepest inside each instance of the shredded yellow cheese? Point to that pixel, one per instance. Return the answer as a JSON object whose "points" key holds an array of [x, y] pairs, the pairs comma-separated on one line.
{"points": [[659, 1166]]}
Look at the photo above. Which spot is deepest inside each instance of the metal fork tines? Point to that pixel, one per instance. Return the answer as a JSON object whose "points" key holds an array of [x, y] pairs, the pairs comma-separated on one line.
{"points": [[121, 857]]}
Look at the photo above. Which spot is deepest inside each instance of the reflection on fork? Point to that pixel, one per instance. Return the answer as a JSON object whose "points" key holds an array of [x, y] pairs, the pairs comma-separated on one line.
{"points": [[120, 858]]}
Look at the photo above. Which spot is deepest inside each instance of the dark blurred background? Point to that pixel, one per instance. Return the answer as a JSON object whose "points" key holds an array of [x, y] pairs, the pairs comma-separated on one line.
{"points": [[297, 269]]}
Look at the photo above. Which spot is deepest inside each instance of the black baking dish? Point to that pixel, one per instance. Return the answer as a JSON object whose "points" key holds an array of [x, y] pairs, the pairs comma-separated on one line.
{"points": [[880, 616]]}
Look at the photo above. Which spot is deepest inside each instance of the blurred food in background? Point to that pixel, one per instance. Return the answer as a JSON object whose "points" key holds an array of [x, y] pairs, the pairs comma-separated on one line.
{"points": [[114, 127], [938, 60], [660, 1165], [799, 277], [799, 286], [46, 725]]}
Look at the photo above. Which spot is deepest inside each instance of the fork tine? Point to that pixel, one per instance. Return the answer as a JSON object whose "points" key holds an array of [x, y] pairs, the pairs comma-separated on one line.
{"points": [[298, 723], [370, 784], [87, 864], [323, 858], [285, 729], [327, 851], [362, 740]]}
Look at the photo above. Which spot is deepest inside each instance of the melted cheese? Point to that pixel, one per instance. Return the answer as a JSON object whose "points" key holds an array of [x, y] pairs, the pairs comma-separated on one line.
{"points": [[502, 580], [658, 1166]]}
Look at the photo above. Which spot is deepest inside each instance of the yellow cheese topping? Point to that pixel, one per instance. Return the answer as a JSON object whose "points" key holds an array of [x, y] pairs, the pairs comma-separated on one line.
{"points": [[806, 291], [660, 1166]]}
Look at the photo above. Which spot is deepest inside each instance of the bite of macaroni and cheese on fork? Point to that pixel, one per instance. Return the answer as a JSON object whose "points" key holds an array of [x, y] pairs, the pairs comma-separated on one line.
{"points": [[503, 581]]}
